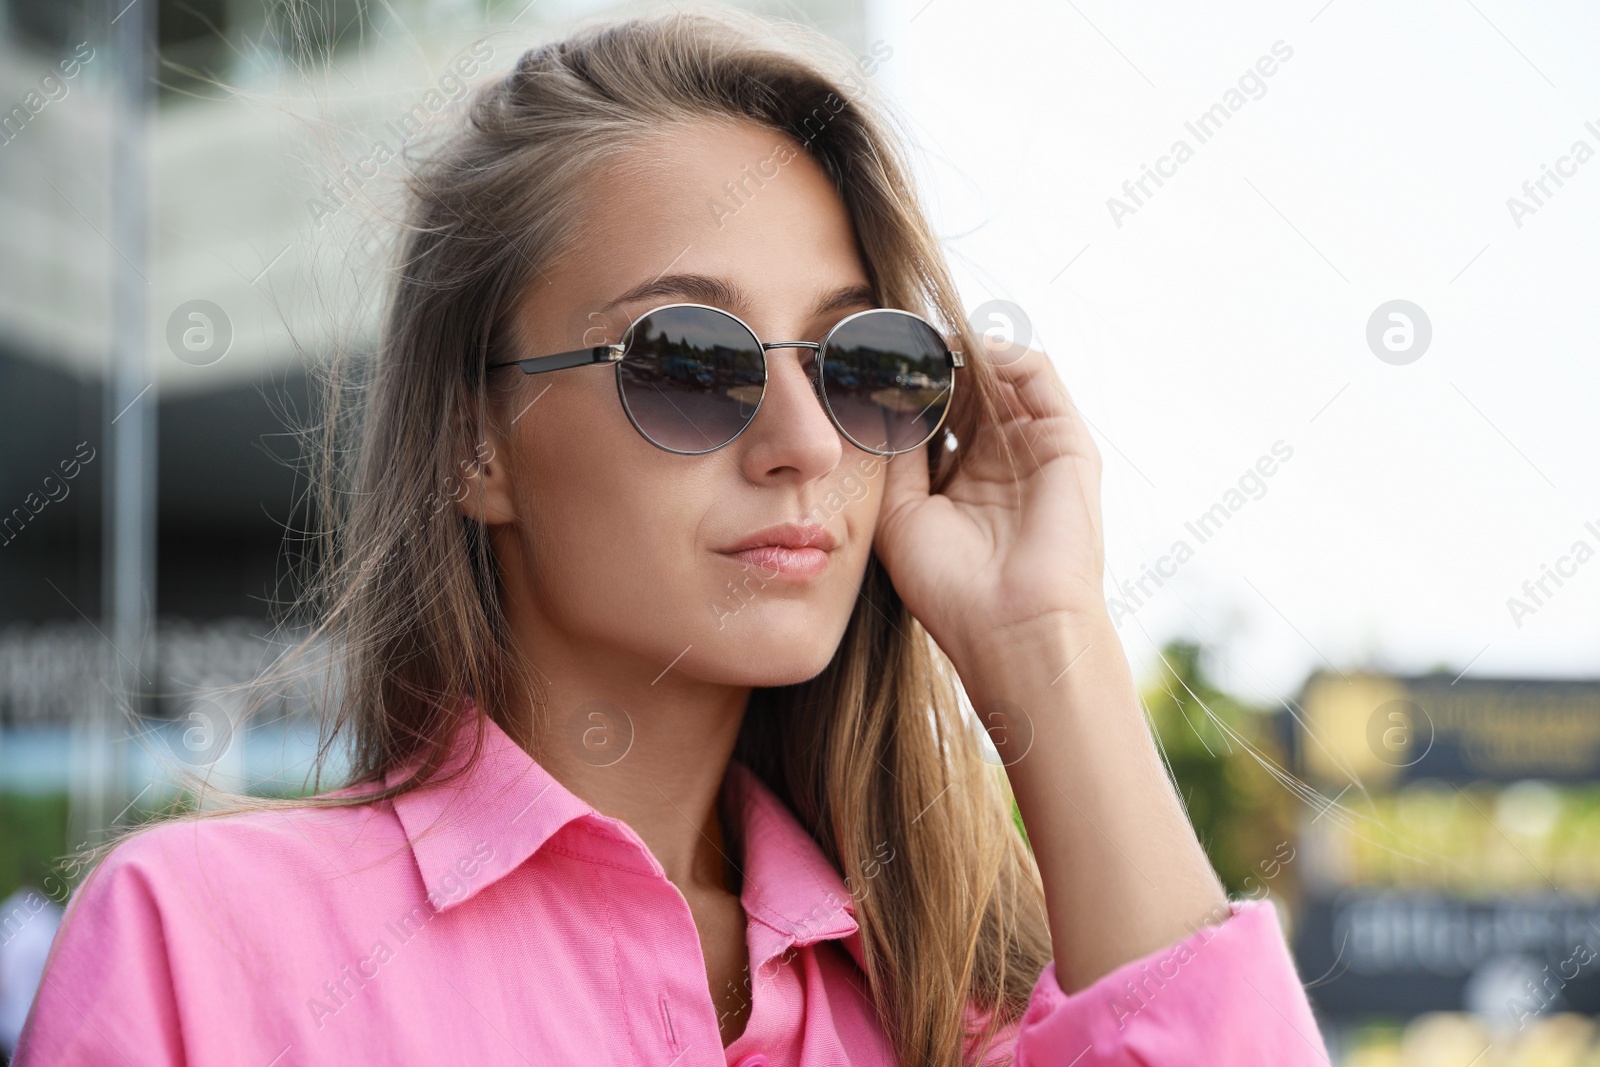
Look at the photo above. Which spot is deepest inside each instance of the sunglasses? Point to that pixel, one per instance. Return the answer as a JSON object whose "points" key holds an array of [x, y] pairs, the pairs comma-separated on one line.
{"points": [[691, 377]]}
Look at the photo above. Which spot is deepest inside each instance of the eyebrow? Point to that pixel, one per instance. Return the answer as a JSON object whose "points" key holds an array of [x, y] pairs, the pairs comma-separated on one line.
{"points": [[720, 293]]}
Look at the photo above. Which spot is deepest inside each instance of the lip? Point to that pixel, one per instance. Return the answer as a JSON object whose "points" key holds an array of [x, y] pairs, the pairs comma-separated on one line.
{"points": [[788, 550], [787, 535]]}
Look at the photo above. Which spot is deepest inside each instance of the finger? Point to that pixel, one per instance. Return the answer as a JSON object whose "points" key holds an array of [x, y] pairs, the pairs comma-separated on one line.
{"points": [[1031, 388], [905, 480], [1036, 389]]}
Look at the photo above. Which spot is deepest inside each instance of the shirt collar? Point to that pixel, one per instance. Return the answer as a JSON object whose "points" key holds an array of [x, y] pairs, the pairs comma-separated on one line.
{"points": [[468, 833]]}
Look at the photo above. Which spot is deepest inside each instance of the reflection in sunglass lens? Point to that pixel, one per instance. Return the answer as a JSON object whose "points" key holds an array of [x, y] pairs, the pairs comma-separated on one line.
{"points": [[887, 379], [691, 377]]}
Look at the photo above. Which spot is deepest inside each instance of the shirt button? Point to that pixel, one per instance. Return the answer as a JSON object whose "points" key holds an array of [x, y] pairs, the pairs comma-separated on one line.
{"points": [[755, 1059]]}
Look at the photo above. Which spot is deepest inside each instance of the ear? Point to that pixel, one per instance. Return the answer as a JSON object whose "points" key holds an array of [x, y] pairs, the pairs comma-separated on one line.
{"points": [[485, 477]]}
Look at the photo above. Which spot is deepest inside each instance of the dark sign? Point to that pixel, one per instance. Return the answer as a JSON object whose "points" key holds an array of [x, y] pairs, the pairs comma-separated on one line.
{"points": [[1383, 952]]}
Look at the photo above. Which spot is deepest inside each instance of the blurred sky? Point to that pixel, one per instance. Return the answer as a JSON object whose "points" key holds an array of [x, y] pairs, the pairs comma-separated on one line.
{"points": [[1230, 311]]}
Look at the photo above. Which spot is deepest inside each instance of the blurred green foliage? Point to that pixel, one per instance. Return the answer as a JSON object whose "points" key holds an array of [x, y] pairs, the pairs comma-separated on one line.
{"points": [[1242, 814], [33, 839]]}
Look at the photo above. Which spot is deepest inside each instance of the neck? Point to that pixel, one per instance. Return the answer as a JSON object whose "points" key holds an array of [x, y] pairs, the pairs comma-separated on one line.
{"points": [[629, 732], [654, 756]]}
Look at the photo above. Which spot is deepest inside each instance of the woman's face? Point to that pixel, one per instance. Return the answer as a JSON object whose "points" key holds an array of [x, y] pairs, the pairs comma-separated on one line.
{"points": [[613, 551]]}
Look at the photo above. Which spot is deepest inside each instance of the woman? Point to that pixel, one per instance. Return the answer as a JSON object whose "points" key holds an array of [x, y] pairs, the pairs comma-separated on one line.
{"points": [[655, 762]]}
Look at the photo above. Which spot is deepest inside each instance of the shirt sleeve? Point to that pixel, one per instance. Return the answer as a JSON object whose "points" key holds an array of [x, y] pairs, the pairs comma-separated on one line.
{"points": [[1225, 994], [107, 992]]}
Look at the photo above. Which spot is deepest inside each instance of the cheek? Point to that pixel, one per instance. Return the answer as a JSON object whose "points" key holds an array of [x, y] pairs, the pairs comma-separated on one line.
{"points": [[858, 500], [606, 523]]}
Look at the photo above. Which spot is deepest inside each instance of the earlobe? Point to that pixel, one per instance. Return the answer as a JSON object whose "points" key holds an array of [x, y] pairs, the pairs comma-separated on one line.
{"points": [[485, 494]]}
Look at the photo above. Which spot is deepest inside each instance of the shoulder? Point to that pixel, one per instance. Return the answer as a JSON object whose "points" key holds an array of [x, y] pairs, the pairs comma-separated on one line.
{"points": [[207, 912], [198, 860]]}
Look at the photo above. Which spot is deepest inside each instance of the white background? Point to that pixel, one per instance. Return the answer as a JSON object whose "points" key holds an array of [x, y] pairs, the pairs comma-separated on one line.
{"points": [[1231, 309]]}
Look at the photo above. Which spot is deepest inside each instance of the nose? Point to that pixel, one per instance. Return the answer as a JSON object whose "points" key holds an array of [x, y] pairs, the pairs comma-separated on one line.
{"points": [[791, 436]]}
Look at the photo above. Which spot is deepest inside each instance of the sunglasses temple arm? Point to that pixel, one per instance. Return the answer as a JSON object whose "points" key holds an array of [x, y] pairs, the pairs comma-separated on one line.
{"points": [[562, 360]]}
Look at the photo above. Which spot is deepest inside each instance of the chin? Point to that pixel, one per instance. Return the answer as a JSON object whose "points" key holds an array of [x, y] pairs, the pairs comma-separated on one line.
{"points": [[771, 675], [772, 649]]}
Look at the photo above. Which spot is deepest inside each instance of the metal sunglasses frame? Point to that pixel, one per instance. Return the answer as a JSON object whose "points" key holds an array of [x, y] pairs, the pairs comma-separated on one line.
{"points": [[615, 353]]}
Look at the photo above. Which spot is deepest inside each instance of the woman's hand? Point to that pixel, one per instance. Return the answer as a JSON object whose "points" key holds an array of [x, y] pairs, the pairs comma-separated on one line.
{"points": [[1001, 550], [1004, 569]]}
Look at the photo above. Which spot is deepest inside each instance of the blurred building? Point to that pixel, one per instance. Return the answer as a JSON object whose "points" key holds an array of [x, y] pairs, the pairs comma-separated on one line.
{"points": [[264, 261], [1453, 894]]}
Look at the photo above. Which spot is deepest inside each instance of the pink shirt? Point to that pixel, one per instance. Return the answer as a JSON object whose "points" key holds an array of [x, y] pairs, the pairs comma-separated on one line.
{"points": [[502, 920]]}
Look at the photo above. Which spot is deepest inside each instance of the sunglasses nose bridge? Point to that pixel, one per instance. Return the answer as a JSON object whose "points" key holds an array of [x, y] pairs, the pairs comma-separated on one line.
{"points": [[816, 348], [814, 374]]}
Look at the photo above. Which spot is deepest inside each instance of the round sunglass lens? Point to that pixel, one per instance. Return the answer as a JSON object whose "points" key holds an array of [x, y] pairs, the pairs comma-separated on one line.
{"points": [[887, 379], [691, 378]]}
